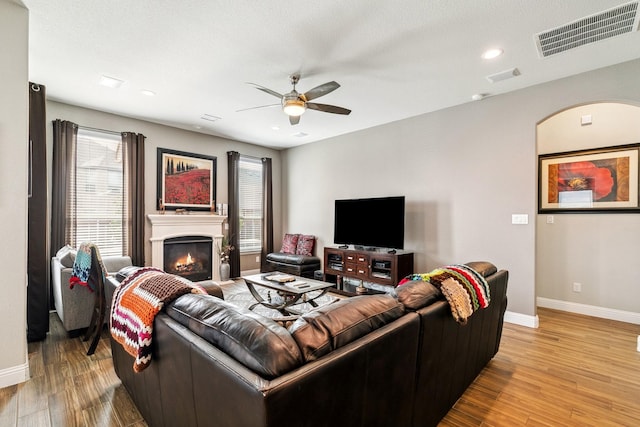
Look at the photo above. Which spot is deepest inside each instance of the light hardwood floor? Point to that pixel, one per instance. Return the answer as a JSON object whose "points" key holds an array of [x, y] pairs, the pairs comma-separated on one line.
{"points": [[572, 371]]}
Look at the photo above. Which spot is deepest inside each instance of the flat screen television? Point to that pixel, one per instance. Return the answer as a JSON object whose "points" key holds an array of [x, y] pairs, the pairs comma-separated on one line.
{"points": [[370, 223]]}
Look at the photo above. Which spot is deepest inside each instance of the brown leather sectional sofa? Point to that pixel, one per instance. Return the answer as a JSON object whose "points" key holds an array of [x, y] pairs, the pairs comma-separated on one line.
{"points": [[364, 361]]}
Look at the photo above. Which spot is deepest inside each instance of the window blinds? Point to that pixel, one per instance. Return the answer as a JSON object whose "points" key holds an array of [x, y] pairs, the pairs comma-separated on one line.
{"points": [[96, 198], [250, 198]]}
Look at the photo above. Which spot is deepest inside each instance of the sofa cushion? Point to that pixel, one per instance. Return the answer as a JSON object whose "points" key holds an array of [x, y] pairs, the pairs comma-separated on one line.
{"points": [[321, 331], [259, 343], [66, 255], [289, 243], [113, 264], [305, 245], [416, 294], [293, 259]]}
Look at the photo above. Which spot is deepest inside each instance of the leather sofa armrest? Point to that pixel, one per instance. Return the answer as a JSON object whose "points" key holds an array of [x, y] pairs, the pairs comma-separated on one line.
{"points": [[485, 268]]}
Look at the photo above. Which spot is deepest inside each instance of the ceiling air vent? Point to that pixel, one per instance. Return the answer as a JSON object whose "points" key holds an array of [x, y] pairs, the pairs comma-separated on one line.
{"points": [[609, 23]]}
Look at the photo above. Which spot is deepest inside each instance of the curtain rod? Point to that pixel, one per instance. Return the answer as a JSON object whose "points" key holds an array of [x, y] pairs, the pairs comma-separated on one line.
{"points": [[100, 130]]}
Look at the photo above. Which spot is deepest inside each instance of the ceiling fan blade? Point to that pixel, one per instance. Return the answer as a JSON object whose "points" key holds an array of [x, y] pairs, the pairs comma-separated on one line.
{"points": [[294, 120], [328, 108], [266, 90], [321, 90], [260, 106]]}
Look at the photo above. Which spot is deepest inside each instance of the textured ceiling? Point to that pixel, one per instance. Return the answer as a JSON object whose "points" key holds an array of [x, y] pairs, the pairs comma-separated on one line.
{"points": [[393, 59]]}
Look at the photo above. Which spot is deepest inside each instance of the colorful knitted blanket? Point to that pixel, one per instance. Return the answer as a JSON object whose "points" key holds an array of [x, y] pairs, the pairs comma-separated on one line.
{"points": [[135, 304], [465, 289], [82, 267]]}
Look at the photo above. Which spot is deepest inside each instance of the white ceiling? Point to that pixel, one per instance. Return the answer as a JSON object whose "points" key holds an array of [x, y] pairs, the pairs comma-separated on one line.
{"points": [[393, 59]]}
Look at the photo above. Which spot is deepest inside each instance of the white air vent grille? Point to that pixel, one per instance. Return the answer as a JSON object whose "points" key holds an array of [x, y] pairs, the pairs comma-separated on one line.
{"points": [[610, 23]]}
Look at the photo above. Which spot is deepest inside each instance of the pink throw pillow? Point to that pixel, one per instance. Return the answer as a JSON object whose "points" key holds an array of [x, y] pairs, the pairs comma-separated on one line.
{"points": [[305, 245], [289, 243]]}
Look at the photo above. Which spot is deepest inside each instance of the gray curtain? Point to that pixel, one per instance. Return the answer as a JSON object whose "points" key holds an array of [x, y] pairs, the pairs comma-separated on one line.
{"points": [[64, 146], [233, 216], [38, 300], [133, 147], [267, 213]]}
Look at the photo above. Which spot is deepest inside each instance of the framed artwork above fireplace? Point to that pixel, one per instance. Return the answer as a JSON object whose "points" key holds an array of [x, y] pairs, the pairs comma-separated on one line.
{"points": [[185, 181]]}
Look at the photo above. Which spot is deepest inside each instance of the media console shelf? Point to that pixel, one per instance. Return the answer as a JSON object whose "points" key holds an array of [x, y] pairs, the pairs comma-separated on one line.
{"points": [[369, 266]]}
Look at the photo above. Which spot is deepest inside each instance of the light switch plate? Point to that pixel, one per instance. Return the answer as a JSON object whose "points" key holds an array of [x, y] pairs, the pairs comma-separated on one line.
{"points": [[520, 219]]}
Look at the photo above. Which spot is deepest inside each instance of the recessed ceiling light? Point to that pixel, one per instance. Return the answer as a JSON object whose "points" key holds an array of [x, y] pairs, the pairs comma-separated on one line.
{"points": [[478, 96], [492, 53], [275, 127], [300, 134], [111, 82], [147, 92]]}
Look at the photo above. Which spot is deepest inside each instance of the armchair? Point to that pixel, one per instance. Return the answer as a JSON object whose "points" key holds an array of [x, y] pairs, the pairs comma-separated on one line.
{"points": [[295, 257], [74, 306]]}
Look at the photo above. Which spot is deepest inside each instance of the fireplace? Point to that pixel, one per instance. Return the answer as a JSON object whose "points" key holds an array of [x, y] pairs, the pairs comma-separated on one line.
{"points": [[189, 257], [169, 226]]}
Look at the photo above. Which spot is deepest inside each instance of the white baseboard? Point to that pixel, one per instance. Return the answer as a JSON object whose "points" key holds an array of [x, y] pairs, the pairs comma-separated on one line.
{"points": [[521, 319], [14, 375], [590, 310]]}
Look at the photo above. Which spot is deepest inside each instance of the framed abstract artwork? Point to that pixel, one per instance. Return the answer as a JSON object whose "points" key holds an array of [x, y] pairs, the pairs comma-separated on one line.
{"points": [[185, 181], [600, 180]]}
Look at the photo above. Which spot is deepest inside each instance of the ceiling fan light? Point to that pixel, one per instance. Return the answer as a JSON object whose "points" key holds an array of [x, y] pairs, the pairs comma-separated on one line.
{"points": [[294, 107]]}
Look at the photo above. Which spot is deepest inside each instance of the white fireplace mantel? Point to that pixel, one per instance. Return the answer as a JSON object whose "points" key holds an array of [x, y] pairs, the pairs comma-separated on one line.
{"points": [[166, 226]]}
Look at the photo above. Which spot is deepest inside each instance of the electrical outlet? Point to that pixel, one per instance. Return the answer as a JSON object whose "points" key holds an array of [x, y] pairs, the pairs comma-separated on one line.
{"points": [[550, 219], [577, 287], [257, 258]]}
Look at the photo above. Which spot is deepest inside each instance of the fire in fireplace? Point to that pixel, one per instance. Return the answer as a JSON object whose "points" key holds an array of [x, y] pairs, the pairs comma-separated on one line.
{"points": [[189, 257]]}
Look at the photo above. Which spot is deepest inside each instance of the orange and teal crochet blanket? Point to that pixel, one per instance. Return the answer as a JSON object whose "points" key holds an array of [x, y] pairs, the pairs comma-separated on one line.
{"points": [[135, 304], [465, 289]]}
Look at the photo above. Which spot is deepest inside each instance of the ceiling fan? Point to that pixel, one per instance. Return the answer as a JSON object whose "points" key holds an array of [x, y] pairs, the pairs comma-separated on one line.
{"points": [[294, 104]]}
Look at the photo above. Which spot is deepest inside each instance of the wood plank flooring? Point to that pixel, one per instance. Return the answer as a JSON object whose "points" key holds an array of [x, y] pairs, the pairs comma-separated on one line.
{"points": [[67, 387], [572, 371]]}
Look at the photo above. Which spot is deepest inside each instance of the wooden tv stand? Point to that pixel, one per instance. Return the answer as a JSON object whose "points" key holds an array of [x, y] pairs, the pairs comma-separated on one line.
{"points": [[369, 266]]}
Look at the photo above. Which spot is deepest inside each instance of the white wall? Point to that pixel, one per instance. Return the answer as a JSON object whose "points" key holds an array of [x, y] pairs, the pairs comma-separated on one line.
{"points": [[14, 136], [464, 172], [159, 136], [598, 250]]}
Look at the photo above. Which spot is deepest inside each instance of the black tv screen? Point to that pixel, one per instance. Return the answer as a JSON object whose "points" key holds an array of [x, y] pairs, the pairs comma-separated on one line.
{"points": [[371, 223]]}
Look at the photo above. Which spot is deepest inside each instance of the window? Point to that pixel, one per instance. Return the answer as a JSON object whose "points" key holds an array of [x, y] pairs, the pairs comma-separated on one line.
{"points": [[97, 193], [250, 200]]}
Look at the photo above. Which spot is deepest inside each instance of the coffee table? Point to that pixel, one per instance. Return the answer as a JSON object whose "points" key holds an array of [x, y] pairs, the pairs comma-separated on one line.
{"points": [[287, 293]]}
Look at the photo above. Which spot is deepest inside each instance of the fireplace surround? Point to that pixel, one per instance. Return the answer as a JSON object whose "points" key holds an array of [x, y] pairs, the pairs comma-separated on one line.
{"points": [[172, 226]]}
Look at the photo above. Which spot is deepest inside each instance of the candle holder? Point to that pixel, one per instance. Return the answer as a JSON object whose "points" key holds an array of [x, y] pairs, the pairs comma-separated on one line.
{"points": [[361, 289]]}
